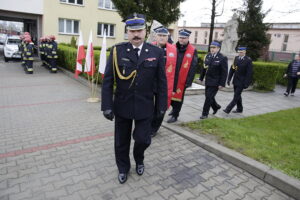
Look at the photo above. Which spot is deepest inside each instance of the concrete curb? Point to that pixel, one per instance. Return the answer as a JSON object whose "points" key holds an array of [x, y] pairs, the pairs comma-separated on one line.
{"points": [[283, 182]]}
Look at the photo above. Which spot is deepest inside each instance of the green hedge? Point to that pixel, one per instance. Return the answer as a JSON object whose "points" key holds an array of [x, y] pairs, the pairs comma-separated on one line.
{"points": [[265, 74], [96, 48], [67, 58]]}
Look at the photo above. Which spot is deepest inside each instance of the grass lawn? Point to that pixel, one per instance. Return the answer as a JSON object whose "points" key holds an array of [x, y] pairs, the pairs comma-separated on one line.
{"points": [[273, 138]]}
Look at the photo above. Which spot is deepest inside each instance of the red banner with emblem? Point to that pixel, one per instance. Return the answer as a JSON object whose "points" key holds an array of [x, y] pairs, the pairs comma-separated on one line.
{"points": [[170, 69], [183, 73], [171, 57]]}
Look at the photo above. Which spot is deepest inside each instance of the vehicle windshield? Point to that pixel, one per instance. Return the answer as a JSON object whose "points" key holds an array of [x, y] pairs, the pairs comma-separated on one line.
{"points": [[13, 41]]}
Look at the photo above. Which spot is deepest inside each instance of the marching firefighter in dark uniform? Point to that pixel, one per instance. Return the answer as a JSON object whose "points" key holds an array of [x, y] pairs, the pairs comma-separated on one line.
{"points": [[21, 49], [22, 46], [28, 55], [52, 54], [215, 72], [47, 51], [42, 48], [186, 64], [136, 68], [170, 55], [242, 71]]}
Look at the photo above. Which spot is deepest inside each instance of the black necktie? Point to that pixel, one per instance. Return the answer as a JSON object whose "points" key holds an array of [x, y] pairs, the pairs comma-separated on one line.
{"points": [[136, 50]]}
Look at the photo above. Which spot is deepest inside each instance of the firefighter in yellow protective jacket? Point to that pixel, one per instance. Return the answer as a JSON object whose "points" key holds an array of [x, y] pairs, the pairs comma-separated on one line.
{"points": [[28, 55], [51, 50]]}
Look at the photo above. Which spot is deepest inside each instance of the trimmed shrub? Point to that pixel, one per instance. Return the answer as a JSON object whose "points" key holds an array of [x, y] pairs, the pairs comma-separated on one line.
{"points": [[73, 42], [67, 58], [265, 75]]}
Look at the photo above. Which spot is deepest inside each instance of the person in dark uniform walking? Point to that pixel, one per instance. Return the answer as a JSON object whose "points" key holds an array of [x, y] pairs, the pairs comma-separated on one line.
{"points": [[186, 64], [136, 68], [293, 74], [28, 55], [170, 55], [42, 49], [52, 54], [242, 71], [215, 72]]}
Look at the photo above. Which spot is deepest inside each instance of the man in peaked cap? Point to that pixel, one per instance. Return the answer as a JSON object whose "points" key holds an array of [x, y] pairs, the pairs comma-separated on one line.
{"points": [[170, 54], [186, 64], [242, 71], [136, 67], [215, 72]]}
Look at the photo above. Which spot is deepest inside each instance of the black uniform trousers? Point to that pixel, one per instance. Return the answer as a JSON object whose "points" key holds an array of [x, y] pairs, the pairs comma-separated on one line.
{"points": [[28, 64], [157, 119], [292, 84], [177, 105], [237, 99], [141, 135], [210, 101], [52, 62]]}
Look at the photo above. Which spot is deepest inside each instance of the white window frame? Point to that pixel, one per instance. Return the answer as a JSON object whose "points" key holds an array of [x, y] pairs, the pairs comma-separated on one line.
{"points": [[103, 5], [109, 25], [65, 26], [76, 3]]}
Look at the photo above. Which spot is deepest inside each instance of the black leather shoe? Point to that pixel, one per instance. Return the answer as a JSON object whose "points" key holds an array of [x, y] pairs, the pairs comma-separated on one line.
{"points": [[122, 177], [140, 169], [237, 111], [215, 111], [171, 113], [226, 111], [172, 119], [203, 117], [286, 94]]}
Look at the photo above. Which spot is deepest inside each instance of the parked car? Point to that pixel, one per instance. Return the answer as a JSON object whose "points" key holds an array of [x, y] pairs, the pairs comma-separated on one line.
{"points": [[11, 48]]}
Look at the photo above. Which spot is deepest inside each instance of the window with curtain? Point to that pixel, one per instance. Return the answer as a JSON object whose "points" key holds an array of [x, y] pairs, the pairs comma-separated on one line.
{"points": [[68, 26], [108, 28]]}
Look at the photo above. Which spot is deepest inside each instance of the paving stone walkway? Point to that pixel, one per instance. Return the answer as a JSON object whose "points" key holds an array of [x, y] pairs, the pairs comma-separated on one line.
{"points": [[55, 145]]}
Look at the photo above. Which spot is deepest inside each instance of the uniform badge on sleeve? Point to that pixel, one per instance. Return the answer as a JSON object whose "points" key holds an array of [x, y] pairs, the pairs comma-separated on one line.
{"points": [[188, 55]]}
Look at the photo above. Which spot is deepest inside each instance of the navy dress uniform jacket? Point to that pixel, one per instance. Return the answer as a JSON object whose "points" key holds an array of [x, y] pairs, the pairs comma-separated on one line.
{"points": [[216, 73], [135, 100], [242, 73]]}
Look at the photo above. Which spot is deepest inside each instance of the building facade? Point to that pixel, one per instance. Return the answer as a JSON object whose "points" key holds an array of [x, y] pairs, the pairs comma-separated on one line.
{"points": [[285, 37], [65, 18]]}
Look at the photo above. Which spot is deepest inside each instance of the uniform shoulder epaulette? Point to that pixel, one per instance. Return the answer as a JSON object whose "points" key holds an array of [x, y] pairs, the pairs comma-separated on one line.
{"points": [[249, 58]]}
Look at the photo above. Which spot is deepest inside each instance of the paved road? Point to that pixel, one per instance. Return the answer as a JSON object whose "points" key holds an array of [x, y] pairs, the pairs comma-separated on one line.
{"points": [[55, 145]]}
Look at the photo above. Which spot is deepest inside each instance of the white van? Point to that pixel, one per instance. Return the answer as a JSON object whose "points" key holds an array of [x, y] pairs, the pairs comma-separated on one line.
{"points": [[11, 48]]}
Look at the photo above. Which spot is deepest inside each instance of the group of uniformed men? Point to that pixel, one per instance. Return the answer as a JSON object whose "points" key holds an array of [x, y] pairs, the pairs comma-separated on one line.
{"points": [[142, 80], [48, 52]]}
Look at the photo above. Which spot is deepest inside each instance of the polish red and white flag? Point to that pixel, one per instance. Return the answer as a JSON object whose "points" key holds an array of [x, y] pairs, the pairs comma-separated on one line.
{"points": [[89, 66], [80, 55]]}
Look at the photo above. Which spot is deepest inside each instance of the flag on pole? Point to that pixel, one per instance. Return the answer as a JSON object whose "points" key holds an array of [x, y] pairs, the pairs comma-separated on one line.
{"points": [[80, 55], [102, 59], [89, 66]]}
